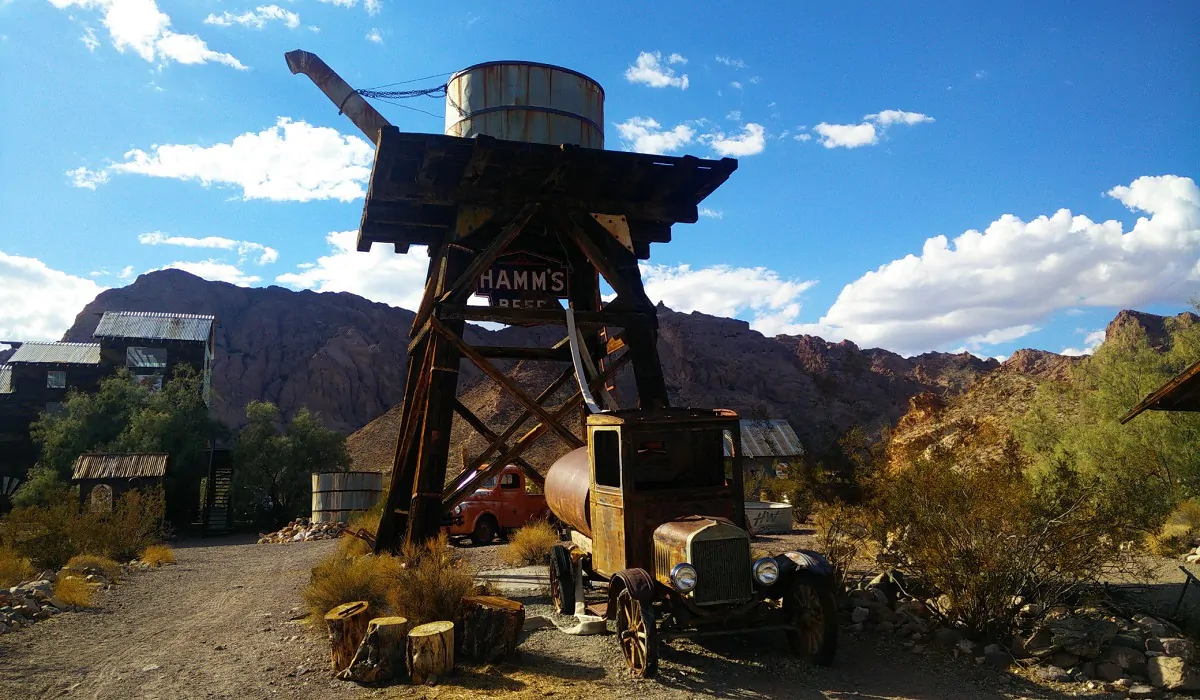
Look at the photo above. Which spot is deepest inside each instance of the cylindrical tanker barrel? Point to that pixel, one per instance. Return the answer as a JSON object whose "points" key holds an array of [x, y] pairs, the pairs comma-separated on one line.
{"points": [[568, 490], [336, 495], [524, 101]]}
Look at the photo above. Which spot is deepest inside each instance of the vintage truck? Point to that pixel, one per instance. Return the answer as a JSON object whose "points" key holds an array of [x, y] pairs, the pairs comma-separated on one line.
{"points": [[500, 504], [660, 524]]}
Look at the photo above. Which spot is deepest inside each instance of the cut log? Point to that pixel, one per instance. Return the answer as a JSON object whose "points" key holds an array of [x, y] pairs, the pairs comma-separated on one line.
{"points": [[430, 652], [347, 627], [380, 657], [490, 627]]}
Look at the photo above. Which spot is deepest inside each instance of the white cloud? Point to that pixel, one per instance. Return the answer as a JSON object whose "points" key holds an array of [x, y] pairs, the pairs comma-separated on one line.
{"points": [[772, 303], [1000, 335], [734, 116], [89, 39], [266, 254], [375, 36], [87, 179], [868, 132], [645, 135], [380, 275], [735, 85], [803, 137], [341, 3], [1091, 341], [676, 58], [1017, 273], [981, 74], [291, 161], [256, 18], [750, 142], [373, 6], [651, 69], [712, 213], [755, 80], [139, 25], [126, 273], [37, 302], [733, 62], [214, 270]]}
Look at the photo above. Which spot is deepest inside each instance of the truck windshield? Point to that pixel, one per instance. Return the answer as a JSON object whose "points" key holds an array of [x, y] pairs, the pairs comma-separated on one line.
{"points": [[678, 459]]}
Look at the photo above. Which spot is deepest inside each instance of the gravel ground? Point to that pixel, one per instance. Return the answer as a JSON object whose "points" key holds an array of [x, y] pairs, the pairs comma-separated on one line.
{"points": [[216, 625]]}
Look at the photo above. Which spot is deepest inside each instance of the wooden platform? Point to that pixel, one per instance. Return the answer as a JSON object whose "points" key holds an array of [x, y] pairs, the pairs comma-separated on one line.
{"points": [[423, 185]]}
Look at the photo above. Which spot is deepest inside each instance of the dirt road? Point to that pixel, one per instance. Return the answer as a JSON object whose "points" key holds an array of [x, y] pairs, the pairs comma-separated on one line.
{"points": [[216, 625]]}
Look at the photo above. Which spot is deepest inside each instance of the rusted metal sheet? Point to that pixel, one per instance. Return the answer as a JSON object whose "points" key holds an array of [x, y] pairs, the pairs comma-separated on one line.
{"points": [[568, 489], [57, 354], [5, 379], [339, 93], [154, 325], [771, 438], [523, 101], [120, 466]]}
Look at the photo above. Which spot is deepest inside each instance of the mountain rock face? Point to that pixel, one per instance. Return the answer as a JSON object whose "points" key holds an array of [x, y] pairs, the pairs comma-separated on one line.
{"points": [[1154, 325]]}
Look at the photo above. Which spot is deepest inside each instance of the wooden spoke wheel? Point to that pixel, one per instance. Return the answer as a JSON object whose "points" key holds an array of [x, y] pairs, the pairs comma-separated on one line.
{"points": [[562, 580], [812, 613], [637, 635]]}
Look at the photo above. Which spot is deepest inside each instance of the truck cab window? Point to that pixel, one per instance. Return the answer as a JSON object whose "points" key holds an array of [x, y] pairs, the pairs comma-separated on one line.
{"points": [[679, 459], [509, 481], [606, 451]]}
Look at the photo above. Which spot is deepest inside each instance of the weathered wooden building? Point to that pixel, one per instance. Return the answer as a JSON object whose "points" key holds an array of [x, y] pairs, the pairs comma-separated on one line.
{"points": [[768, 446], [103, 478], [152, 344]]}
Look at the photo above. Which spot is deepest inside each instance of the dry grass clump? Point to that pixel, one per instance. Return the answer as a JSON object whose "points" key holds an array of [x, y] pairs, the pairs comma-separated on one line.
{"points": [[345, 579], [368, 521], [14, 568], [1179, 531], [157, 555], [530, 544], [87, 563], [430, 582], [844, 534], [73, 590]]}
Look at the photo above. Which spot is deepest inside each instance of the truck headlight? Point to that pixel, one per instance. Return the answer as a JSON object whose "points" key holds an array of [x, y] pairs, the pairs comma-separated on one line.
{"points": [[766, 571], [458, 509], [684, 577]]}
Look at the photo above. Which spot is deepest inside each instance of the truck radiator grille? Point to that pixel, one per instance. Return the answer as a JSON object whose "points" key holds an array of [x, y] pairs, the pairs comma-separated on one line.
{"points": [[723, 568]]}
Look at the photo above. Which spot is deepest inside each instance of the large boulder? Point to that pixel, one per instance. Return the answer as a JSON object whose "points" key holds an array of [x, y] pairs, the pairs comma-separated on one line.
{"points": [[1081, 636], [1173, 673]]}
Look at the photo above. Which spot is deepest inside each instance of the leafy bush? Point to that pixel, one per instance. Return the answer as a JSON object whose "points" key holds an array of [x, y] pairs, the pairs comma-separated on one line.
{"points": [[14, 568], [43, 534], [344, 579], [73, 590], [42, 486], [530, 544], [844, 535], [90, 563], [157, 555], [430, 582]]}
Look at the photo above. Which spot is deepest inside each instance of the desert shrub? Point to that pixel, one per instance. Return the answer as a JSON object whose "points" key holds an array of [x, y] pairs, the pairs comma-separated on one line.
{"points": [[73, 590], [1179, 533], [42, 486], [14, 568], [43, 534], [345, 579], [844, 534], [368, 521], [430, 582], [530, 544], [90, 563], [157, 555]]}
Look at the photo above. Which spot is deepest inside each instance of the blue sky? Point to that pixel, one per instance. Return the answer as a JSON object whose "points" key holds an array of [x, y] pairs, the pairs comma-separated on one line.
{"points": [[140, 134]]}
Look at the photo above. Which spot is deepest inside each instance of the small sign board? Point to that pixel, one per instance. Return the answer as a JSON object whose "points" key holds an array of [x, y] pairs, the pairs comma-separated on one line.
{"points": [[524, 280]]}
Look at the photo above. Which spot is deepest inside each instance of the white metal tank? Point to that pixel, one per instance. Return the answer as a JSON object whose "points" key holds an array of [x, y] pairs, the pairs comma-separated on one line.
{"points": [[524, 101]]}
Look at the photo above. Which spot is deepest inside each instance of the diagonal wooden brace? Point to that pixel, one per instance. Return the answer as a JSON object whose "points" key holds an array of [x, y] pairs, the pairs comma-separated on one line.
{"points": [[461, 288], [482, 428], [548, 392]]}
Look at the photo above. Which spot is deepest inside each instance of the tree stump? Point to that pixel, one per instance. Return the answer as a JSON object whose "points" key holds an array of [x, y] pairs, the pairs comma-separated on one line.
{"points": [[429, 652], [347, 627], [380, 657], [490, 627]]}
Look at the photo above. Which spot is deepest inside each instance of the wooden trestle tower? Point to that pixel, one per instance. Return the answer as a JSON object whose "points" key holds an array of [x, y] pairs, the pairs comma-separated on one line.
{"points": [[536, 225]]}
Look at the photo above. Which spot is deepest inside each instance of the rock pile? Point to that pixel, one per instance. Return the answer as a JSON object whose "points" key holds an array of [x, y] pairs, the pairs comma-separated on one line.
{"points": [[1139, 655], [301, 530], [27, 603]]}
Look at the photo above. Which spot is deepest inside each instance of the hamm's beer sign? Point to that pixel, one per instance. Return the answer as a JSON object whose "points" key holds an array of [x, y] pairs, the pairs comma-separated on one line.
{"points": [[523, 280]]}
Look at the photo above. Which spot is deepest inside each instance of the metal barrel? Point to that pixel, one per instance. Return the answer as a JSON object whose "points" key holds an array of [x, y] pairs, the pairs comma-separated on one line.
{"points": [[336, 495], [568, 490], [525, 101]]}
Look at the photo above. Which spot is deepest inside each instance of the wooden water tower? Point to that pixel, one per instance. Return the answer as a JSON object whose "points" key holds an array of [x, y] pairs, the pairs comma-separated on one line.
{"points": [[519, 204]]}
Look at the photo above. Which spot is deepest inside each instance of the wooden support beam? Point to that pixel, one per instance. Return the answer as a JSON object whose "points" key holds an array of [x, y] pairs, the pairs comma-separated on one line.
{"points": [[646, 318], [546, 394], [411, 214], [600, 248], [482, 428], [508, 384], [462, 287], [437, 270], [526, 441], [670, 211], [394, 521], [502, 352]]}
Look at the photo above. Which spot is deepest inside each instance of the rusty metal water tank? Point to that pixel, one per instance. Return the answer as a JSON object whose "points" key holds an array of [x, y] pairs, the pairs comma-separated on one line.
{"points": [[568, 490], [525, 101]]}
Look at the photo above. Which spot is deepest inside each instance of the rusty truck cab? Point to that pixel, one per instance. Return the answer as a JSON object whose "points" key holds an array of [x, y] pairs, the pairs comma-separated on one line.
{"points": [[651, 467]]}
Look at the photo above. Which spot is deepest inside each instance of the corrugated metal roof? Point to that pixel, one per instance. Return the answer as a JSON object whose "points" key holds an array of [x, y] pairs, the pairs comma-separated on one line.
{"points": [[154, 325], [772, 438], [57, 354], [5, 379], [120, 466]]}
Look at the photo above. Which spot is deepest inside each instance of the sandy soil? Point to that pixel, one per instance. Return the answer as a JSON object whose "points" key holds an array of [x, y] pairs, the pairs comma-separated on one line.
{"points": [[216, 625]]}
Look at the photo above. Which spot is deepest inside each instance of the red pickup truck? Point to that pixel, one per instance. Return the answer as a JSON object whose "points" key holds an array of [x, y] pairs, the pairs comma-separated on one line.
{"points": [[500, 504]]}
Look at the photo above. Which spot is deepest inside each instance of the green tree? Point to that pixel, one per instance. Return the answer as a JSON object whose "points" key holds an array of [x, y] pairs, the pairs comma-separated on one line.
{"points": [[273, 469]]}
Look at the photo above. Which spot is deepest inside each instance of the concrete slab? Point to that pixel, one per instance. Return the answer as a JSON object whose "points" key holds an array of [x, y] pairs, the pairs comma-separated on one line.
{"points": [[522, 581]]}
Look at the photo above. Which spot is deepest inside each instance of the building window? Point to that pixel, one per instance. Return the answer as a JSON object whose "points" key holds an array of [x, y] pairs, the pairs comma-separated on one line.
{"points": [[146, 358], [56, 379]]}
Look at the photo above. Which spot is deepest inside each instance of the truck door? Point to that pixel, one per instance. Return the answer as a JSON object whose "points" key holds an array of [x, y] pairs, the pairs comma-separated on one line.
{"points": [[512, 499]]}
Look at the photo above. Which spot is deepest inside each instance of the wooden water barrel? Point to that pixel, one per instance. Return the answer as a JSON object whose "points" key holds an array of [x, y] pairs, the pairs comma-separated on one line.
{"points": [[337, 495]]}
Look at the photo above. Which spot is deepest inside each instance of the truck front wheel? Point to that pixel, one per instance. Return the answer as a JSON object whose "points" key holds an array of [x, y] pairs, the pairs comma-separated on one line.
{"points": [[562, 580], [812, 613], [485, 530]]}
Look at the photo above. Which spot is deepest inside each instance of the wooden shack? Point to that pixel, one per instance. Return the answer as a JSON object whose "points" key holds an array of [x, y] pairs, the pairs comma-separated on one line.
{"points": [[103, 478], [769, 447]]}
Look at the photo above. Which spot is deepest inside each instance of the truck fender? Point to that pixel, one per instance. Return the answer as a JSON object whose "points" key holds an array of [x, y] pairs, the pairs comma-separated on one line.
{"points": [[803, 560], [639, 582]]}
